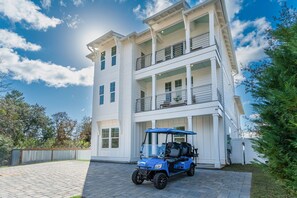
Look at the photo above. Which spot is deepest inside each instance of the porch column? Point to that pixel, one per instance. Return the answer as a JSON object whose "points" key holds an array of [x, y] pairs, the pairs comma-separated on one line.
{"points": [[211, 28], [190, 128], [188, 33], [153, 92], [154, 139], [214, 82], [216, 150], [189, 85], [154, 47]]}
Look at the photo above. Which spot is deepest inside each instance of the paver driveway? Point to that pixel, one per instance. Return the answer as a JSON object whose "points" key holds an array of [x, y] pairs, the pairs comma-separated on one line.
{"points": [[68, 178]]}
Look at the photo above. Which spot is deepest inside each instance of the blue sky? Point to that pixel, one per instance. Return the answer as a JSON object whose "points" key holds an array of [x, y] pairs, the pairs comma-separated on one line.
{"points": [[43, 43]]}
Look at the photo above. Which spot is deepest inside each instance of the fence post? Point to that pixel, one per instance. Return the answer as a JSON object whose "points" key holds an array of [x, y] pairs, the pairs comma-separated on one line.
{"points": [[52, 156]]}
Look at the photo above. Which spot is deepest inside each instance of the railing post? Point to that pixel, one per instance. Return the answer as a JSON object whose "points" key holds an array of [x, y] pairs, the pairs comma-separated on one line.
{"points": [[214, 82], [153, 92], [189, 84]]}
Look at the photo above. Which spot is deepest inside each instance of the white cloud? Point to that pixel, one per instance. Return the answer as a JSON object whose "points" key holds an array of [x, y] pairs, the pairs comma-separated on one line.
{"points": [[238, 79], [151, 7], [254, 116], [73, 21], [233, 7], [12, 40], [46, 4], [78, 2], [250, 41], [27, 11], [36, 70], [62, 3]]}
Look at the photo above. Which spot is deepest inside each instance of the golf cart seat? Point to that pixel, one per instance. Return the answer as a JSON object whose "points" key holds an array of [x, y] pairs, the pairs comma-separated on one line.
{"points": [[186, 149], [173, 151]]}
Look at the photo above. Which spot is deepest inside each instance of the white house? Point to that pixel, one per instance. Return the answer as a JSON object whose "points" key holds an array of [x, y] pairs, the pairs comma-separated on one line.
{"points": [[177, 73]]}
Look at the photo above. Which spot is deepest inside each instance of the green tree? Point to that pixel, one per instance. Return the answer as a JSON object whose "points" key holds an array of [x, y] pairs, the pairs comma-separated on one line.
{"points": [[64, 128], [6, 145], [84, 132], [273, 84]]}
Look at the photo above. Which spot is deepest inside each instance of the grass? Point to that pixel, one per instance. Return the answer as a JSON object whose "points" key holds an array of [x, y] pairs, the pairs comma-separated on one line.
{"points": [[263, 185]]}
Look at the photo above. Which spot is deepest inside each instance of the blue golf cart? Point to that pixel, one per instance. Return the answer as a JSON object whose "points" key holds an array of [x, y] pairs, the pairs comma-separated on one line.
{"points": [[158, 162]]}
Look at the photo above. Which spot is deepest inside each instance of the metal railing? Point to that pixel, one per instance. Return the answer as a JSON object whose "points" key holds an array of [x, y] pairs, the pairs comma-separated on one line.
{"points": [[143, 61], [171, 99], [201, 94], [170, 52], [144, 104], [199, 42]]}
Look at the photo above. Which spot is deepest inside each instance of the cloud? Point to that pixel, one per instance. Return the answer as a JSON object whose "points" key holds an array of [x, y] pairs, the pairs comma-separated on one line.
{"points": [[46, 4], [36, 70], [233, 7], [72, 21], [12, 40], [250, 41], [78, 2], [151, 7], [26, 11], [62, 3], [254, 116]]}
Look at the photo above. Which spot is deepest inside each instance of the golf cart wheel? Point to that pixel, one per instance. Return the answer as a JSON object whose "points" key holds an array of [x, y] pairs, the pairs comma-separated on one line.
{"points": [[191, 171], [160, 181], [136, 178]]}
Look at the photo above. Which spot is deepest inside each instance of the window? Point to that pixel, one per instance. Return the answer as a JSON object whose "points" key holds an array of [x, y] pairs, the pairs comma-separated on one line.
{"points": [[101, 95], [113, 56], [178, 94], [103, 60], [168, 91], [112, 92], [114, 137], [110, 138], [180, 138], [105, 138]]}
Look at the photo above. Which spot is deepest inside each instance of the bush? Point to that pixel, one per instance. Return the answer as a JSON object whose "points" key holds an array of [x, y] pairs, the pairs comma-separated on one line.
{"points": [[6, 145]]}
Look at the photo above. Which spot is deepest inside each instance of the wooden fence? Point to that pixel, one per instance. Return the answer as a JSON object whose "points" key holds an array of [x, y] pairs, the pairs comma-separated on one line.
{"points": [[28, 156]]}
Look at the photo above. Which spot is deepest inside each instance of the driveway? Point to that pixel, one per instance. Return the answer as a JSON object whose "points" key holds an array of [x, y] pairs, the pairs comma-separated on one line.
{"points": [[69, 178]]}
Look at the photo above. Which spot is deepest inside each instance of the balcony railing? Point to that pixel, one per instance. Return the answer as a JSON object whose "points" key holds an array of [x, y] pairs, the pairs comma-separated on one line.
{"points": [[144, 61], [144, 104], [171, 99], [170, 52], [173, 51], [200, 94]]}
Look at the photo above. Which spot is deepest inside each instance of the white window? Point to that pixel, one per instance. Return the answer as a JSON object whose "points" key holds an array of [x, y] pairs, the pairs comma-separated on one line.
{"points": [[110, 138], [113, 56], [103, 60], [180, 138], [112, 91], [101, 95]]}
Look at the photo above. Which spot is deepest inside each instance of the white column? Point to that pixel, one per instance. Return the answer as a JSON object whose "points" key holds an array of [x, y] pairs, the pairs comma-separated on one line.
{"points": [[154, 139], [188, 34], [190, 128], [214, 81], [211, 28], [153, 92], [216, 148], [154, 46], [189, 85]]}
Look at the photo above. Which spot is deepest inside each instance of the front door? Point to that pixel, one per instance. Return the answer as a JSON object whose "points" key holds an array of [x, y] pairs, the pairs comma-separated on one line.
{"points": [[168, 90]]}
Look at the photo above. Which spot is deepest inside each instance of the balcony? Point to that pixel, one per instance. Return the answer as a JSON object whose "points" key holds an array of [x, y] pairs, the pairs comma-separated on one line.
{"points": [[173, 51], [200, 94]]}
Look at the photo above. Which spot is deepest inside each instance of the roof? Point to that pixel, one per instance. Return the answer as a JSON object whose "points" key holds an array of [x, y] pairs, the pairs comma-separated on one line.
{"points": [[164, 13], [104, 38], [239, 104], [169, 131]]}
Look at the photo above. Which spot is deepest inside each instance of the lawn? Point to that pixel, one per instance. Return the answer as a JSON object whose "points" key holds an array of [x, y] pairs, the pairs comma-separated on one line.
{"points": [[263, 185]]}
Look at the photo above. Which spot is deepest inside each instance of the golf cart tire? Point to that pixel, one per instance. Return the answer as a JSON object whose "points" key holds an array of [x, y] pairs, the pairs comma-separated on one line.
{"points": [[160, 180], [191, 171], [136, 178]]}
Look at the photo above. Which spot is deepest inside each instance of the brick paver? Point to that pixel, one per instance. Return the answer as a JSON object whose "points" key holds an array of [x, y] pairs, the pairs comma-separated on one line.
{"points": [[68, 178]]}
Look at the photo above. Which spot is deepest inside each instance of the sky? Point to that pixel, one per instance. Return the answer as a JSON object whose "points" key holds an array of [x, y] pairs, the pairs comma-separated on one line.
{"points": [[43, 43]]}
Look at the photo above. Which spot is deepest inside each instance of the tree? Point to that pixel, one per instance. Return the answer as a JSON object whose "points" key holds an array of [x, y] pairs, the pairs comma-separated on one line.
{"points": [[84, 131], [64, 127], [273, 84]]}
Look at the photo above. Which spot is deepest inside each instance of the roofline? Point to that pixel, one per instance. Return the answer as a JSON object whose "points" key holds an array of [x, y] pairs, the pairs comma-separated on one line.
{"points": [[199, 5], [239, 104], [185, 4], [110, 33]]}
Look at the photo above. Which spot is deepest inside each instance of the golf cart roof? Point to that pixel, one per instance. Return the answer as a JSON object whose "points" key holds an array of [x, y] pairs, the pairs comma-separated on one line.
{"points": [[169, 131]]}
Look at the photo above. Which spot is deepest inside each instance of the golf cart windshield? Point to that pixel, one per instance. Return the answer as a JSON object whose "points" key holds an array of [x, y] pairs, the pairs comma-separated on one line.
{"points": [[155, 141]]}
